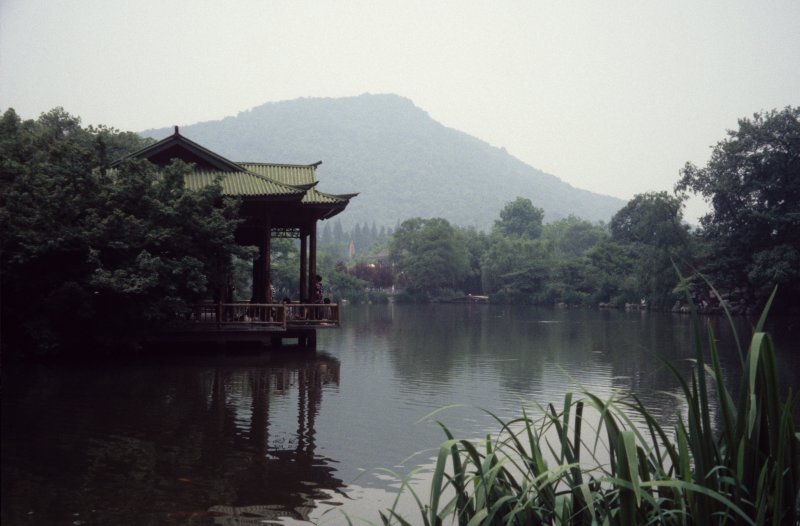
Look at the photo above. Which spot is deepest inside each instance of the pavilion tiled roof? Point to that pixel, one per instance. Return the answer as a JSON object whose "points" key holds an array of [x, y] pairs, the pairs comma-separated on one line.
{"points": [[299, 176], [247, 179], [291, 174], [242, 184]]}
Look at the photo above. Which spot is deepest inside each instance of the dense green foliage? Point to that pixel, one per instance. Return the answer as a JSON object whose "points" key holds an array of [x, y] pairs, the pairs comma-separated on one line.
{"points": [[429, 256], [590, 463], [93, 256], [651, 226], [341, 284], [520, 219], [752, 232], [568, 261]]}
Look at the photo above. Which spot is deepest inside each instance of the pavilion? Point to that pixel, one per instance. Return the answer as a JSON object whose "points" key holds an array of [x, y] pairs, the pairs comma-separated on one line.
{"points": [[277, 201]]}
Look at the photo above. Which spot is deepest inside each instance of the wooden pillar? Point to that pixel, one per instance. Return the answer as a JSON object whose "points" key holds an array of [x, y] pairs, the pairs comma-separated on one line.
{"points": [[268, 262], [312, 259], [258, 277], [303, 267], [261, 269]]}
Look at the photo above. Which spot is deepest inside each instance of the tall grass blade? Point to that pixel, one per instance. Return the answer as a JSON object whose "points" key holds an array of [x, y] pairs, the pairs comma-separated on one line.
{"points": [[763, 318], [437, 486]]}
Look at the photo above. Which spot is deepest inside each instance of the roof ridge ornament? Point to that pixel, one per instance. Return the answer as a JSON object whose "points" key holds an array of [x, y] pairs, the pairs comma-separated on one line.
{"points": [[176, 130]]}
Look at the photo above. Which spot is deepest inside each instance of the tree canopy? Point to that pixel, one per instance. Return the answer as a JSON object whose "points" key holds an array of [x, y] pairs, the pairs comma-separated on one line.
{"points": [[752, 182], [573, 236], [654, 219], [429, 256], [652, 226], [94, 256], [520, 218]]}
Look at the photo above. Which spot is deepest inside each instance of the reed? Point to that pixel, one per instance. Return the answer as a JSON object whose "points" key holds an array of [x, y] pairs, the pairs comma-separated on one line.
{"points": [[587, 462]]}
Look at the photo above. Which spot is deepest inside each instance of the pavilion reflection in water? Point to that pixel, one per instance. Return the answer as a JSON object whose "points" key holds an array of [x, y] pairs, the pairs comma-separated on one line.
{"points": [[284, 476], [215, 442]]}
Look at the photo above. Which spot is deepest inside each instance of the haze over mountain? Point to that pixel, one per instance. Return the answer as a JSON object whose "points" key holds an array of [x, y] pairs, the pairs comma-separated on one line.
{"points": [[403, 163]]}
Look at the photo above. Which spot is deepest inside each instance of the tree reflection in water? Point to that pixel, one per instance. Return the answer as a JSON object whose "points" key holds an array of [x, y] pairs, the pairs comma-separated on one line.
{"points": [[223, 442]]}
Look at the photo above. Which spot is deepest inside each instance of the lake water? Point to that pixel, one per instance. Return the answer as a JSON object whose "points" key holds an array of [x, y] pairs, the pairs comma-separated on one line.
{"points": [[291, 437]]}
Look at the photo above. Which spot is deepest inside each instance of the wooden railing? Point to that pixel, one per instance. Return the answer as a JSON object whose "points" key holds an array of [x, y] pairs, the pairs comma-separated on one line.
{"points": [[266, 315], [312, 314]]}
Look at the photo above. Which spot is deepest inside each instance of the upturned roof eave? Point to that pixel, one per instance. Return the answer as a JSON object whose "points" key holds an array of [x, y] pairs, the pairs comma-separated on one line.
{"points": [[346, 197]]}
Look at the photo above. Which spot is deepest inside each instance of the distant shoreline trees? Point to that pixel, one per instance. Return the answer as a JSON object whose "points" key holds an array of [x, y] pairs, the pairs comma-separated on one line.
{"points": [[747, 244]]}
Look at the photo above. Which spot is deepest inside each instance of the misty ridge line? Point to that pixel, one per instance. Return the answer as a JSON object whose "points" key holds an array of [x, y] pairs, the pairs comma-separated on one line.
{"points": [[402, 162]]}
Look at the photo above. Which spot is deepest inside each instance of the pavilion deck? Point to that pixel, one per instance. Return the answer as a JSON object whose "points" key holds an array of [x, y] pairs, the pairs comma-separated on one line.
{"points": [[265, 323]]}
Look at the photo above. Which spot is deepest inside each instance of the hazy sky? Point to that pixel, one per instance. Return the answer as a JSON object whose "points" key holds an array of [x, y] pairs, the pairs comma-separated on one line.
{"points": [[610, 96]]}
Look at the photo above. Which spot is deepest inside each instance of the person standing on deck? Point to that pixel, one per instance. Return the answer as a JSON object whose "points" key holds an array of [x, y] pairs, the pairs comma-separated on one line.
{"points": [[317, 295], [318, 290]]}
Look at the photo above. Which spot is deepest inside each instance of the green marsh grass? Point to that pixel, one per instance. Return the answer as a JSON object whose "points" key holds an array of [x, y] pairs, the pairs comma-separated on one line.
{"points": [[588, 462]]}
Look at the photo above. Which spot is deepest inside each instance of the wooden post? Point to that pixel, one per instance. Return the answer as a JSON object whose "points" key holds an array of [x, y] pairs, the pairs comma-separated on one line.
{"points": [[303, 267], [256, 278], [312, 261], [261, 270], [268, 262]]}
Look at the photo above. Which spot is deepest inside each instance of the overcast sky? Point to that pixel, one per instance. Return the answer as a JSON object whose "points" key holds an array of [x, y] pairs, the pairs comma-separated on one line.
{"points": [[610, 96]]}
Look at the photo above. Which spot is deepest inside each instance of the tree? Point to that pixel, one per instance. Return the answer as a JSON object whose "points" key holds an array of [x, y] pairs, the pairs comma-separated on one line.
{"points": [[572, 236], [752, 182], [521, 219], [339, 283], [654, 219], [338, 233], [326, 237], [429, 256], [516, 267], [377, 274], [477, 243], [95, 256], [610, 273], [652, 225]]}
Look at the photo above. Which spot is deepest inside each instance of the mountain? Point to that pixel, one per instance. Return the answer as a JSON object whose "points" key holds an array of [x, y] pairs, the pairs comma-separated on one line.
{"points": [[402, 162]]}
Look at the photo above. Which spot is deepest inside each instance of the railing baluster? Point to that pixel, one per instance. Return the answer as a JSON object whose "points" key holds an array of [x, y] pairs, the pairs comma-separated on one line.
{"points": [[275, 315]]}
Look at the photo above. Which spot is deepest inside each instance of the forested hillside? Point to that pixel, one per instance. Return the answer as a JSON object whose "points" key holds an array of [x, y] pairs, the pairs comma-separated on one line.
{"points": [[403, 163]]}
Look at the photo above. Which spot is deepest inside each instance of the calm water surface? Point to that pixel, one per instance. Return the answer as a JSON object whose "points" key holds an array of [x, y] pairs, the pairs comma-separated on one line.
{"points": [[292, 437]]}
